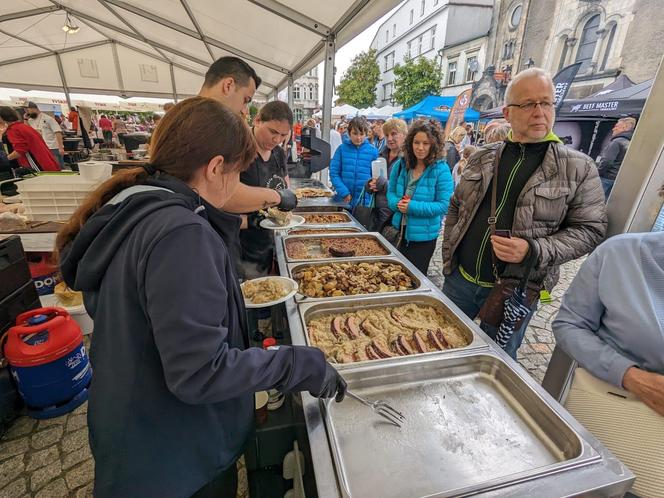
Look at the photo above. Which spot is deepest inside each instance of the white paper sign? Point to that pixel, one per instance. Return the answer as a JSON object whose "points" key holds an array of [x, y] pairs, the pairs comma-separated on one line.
{"points": [[379, 168]]}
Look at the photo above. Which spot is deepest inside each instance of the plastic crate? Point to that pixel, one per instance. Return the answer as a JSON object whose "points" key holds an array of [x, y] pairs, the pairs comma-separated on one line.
{"points": [[54, 197]]}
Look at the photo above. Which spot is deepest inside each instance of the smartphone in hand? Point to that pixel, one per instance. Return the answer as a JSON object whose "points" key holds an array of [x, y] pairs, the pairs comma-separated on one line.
{"points": [[504, 233]]}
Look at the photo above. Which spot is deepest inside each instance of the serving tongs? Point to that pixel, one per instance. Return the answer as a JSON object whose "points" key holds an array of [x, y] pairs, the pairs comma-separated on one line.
{"points": [[381, 408]]}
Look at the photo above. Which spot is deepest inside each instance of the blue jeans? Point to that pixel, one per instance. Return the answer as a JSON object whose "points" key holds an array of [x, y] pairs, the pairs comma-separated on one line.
{"points": [[607, 185], [470, 297]]}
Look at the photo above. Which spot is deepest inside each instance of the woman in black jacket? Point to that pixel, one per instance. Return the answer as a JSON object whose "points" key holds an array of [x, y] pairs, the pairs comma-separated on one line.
{"points": [[172, 396]]}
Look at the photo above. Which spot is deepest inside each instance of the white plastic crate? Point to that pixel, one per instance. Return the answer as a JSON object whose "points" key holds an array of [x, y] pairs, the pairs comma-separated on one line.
{"points": [[54, 197]]}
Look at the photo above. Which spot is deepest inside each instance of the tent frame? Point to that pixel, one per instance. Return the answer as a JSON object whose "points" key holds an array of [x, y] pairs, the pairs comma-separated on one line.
{"points": [[326, 46]]}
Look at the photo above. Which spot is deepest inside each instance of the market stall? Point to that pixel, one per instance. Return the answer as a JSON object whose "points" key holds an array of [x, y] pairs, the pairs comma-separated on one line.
{"points": [[475, 421], [437, 107]]}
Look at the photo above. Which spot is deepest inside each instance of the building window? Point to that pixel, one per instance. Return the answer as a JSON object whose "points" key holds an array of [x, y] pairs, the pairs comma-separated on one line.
{"points": [[422, 6], [422, 43], [589, 37], [472, 68], [394, 30], [433, 37], [435, 2], [387, 36], [563, 53], [315, 92], [296, 92], [609, 45], [311, 92], [419, 44], [387, 91], [299, 114], [389, 61], [451, 73], [409, 53], [508, 50], [515, 18], [411, 16]]}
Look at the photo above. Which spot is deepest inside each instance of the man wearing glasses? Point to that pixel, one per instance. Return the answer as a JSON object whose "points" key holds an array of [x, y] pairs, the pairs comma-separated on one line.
{"points": [[548, 209]]}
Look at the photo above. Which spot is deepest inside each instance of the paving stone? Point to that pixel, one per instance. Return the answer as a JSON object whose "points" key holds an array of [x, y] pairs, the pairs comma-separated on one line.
{"points": [[44, 475], [85, 491], [20, 427], [77, 421], [47, 437], [51, 422], [75, 440], [76, 456], [43, 457], [14, 447], [81, 409], [10, 470], [55, 489], [81, 475], [14, 489]]}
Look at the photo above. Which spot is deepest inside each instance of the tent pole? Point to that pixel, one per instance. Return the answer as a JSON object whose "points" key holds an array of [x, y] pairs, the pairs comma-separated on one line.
{"points": [[592, 140], [290, 91], [328, 92], [175, 91], [64, 80]]}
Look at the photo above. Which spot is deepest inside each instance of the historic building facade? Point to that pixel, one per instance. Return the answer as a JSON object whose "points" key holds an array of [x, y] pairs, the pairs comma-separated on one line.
{"points": [[305, 95], [608, 38]]}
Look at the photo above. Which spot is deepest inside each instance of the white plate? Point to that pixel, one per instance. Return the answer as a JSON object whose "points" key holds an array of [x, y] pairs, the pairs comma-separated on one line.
{"points": [[295, 221], [289, 284]]}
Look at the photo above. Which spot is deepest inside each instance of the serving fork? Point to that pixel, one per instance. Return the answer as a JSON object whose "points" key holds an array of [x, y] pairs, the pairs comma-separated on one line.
{"points": [[381, 408]]}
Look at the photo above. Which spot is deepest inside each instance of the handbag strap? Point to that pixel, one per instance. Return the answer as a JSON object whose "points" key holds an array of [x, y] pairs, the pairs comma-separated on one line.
{"points": [[532, 256]]}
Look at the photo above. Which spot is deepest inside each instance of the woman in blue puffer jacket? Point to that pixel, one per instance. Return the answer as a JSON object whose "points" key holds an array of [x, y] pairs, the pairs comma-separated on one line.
{"points": [[419, 192], [350, 167]]}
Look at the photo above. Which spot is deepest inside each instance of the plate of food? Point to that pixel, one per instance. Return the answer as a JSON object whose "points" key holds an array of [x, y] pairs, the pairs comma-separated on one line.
{"points": [[276, 219], [267, 291]]}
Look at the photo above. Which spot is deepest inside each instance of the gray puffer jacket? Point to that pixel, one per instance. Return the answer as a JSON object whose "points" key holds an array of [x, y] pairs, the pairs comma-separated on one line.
{"points": [[561, 208]]}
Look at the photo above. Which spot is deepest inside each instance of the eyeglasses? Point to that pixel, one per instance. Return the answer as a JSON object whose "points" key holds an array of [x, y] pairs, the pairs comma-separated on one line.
{"points": [[530, 106]]}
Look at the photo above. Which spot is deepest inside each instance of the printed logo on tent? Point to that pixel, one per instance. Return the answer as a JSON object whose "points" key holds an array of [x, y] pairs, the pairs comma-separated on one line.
{"points": [[595, 106], [442, 108]]}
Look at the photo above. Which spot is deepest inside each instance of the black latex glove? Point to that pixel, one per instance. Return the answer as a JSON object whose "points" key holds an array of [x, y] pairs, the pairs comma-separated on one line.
{"points": [[254, 220], [333, 385], [288, 200]]}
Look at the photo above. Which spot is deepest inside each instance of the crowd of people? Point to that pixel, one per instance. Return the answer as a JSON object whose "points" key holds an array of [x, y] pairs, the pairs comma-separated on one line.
{"points": [[158, 252]]}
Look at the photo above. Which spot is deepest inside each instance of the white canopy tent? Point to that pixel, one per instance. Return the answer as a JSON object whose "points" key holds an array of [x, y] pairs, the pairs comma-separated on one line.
{"points": [[162, 48]]}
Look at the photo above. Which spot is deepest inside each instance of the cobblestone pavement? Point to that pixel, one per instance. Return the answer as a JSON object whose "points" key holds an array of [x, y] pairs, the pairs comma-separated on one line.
{"points": [[51, 458]]}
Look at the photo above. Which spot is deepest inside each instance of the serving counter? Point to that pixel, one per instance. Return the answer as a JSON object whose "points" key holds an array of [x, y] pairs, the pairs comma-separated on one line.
{"points": [[476, 422]]}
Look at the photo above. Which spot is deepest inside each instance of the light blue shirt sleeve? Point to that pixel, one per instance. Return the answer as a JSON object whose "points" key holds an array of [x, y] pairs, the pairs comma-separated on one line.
{"points": [[579, 320]]}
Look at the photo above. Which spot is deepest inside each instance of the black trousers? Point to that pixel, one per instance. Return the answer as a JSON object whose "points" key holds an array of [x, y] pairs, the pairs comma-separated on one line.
{"points": [[418, 253], [222, 486]]}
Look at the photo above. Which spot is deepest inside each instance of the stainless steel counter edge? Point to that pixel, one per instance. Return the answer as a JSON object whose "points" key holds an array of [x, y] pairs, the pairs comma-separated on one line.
{"points": [[607, 477]]}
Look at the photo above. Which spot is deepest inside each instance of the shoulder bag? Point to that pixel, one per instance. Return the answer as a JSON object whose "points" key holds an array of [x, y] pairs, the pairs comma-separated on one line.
{"points": [[493, 308]]}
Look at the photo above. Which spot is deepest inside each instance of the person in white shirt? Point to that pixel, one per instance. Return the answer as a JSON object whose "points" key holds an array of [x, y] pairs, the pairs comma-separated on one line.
{"points": [[335, 140], [50, 131]]}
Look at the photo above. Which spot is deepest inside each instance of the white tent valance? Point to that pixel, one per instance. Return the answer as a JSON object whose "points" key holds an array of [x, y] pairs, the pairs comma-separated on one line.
{"points": [[162, 48]]}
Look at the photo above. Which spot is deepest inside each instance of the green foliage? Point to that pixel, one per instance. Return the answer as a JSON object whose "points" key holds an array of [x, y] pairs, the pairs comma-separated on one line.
{"points": [[416, 79], [253, 110], [358, 86]]}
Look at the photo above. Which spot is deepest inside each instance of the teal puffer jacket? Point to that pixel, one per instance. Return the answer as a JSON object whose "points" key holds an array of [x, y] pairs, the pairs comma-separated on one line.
{"points": [[428, 203]]}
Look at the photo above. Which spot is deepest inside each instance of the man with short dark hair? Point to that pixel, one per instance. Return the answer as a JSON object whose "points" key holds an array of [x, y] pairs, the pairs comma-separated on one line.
{"points": [[614, 153], [545, 208], [233, 82]]}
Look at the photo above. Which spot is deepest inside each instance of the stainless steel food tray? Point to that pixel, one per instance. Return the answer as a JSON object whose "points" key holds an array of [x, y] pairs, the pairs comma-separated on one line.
{"points": [[389, 249], [324, 229], [310, 310], [472, 425], [411, 272], [349, 218]]}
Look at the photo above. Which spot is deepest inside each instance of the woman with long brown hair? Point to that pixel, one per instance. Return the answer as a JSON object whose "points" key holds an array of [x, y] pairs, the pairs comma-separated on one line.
{"points": [[419, 192], [171, 402]]}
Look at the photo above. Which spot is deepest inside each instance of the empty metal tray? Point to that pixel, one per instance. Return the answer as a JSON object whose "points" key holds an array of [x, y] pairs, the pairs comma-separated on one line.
{"points": [[472, 425]]}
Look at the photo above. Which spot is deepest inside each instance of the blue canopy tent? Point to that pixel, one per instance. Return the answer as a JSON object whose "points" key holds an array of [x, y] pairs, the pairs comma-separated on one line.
{"points": [[435, 106]]}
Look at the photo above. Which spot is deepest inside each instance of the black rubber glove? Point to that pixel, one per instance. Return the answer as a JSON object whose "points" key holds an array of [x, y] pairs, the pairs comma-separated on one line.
{"points": [[254, 220], [288, 200], [333, 385]]}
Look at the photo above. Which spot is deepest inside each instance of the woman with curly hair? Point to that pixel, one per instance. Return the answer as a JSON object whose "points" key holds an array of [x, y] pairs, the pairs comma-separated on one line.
{"points": [[419, 192]]}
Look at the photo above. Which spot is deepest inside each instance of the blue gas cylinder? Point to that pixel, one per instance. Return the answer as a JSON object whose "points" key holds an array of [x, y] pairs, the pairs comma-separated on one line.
{"points": [[48, 360]]}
